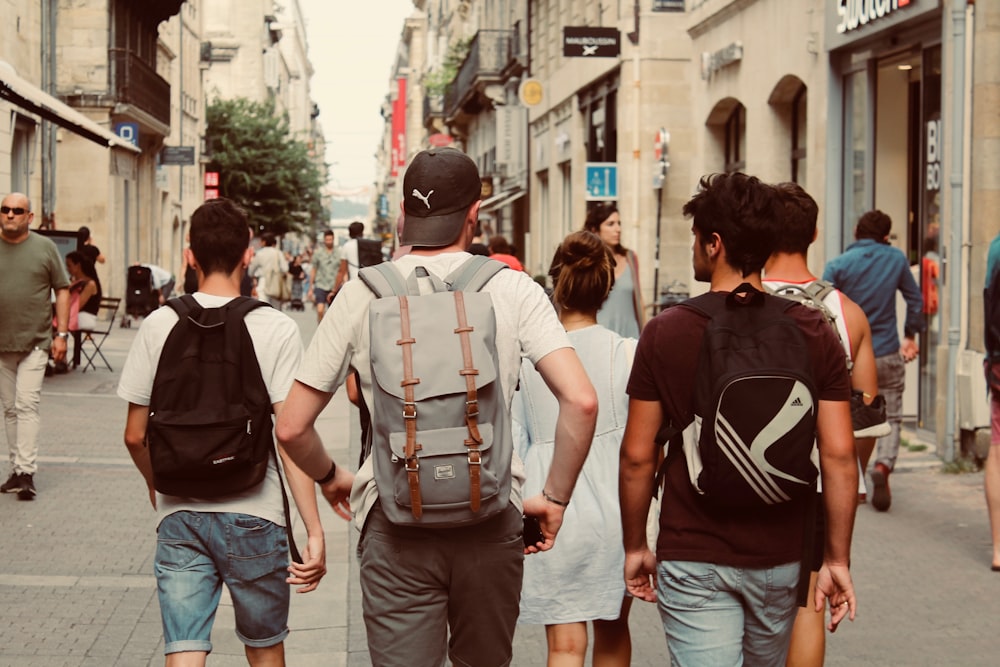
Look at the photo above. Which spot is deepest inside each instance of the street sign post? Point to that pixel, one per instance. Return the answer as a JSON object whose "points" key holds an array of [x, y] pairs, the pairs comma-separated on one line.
{"points": [[602, 181]]}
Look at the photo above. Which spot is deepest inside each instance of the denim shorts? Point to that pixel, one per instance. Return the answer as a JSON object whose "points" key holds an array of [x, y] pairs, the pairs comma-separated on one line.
{"points": [[196, 552]]}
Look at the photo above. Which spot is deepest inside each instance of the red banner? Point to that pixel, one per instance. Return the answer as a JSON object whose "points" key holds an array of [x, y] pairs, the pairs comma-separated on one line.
{"points": [[399, 127]]}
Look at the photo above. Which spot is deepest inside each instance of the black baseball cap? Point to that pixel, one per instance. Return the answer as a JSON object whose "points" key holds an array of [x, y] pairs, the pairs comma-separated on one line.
{"points": [[439, 186]]}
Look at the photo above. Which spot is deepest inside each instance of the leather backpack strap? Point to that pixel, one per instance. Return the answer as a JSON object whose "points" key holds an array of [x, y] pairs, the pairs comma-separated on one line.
{"points": [[412, 463], [469, 371]]}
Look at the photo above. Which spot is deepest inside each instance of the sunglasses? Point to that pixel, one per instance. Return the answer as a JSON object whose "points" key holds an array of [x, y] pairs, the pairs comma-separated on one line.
{"points": [[16, 211]]}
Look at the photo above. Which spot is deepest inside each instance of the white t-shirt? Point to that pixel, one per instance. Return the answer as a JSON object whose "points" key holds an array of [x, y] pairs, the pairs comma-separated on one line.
{"points": [[278, 345], [350, 253], [527, 327]]}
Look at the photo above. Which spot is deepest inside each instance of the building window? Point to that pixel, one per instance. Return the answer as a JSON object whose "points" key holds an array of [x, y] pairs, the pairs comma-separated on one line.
{"points": [[21, 155], [798, 155], [736, 139]]}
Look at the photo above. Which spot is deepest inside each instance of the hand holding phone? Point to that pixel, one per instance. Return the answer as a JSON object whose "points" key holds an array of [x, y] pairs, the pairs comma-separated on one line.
{"points": [[532, 531]]}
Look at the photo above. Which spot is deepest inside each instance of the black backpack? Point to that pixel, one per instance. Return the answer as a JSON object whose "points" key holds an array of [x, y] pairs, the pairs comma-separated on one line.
{"points": [[755, 404], [369, 252], [210, 425]]}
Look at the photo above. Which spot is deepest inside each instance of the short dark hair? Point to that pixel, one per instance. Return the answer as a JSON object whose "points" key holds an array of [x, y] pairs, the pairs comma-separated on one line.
{"points": [[219, 235], [583, 272], [328, 232], [597, 213], [795, 217], [83, 234], [498, 244], [873, 225], [356, 229], [740, 209]]}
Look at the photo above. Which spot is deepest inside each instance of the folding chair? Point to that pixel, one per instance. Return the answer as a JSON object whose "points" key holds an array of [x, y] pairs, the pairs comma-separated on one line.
{"points": [[106, 314]]}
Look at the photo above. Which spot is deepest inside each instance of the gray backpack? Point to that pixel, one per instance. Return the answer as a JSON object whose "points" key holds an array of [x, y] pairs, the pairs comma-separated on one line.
{"points": [[440, 435], [813, 296]]}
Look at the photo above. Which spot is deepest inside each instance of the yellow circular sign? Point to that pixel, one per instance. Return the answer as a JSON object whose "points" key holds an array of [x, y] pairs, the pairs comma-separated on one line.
{"points": [[530, 92]]}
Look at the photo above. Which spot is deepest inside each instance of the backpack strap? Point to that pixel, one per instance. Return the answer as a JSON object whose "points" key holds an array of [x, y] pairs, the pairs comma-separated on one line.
{"points": [[412, 463], [469, 371], [384, 280], [184, 305], [474, 273]]}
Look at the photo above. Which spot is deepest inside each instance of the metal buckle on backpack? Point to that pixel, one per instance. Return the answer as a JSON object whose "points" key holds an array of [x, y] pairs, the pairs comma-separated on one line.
{"points": [[472, 408], [409, 410], [414, 462], [475, 457]]}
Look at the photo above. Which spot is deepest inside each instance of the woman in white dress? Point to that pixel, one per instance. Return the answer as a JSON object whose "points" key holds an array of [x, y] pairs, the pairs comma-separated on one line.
{"points": [[580, 580]]}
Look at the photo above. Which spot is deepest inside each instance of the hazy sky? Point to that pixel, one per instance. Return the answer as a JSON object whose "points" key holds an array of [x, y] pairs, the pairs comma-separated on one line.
{"points": [[352, 45]]}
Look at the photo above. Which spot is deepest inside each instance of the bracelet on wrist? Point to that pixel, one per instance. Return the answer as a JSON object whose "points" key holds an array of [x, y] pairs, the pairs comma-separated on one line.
{"points": [[330, 475], [554, 501]]}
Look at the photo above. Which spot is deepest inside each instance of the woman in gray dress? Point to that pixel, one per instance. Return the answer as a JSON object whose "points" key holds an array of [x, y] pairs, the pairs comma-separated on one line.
{"points": [[623, 312]]}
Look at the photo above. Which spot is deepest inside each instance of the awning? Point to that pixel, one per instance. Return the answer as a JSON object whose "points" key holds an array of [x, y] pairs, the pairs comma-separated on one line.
{"points": [[28, 96], [501, 200]]}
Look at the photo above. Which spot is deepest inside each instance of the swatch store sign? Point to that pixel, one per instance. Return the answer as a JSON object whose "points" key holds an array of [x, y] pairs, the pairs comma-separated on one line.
{"points": [[852, 20]]}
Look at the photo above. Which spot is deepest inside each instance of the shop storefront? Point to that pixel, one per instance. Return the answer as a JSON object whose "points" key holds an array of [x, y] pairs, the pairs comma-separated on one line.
{"points": [[886, 97]]}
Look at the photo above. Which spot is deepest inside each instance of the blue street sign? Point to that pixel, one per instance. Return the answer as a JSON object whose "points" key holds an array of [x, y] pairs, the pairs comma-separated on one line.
{"points": [[602, 181], [129, 132]]}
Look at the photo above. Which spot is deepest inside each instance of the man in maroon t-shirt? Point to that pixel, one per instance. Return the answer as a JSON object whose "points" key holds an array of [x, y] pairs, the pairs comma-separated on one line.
{"points": [[727, 582]]}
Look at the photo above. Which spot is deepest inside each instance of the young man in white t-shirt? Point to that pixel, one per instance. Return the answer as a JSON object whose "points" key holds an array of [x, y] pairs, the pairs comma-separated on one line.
{"points": [[239, 540], [420, 584]]}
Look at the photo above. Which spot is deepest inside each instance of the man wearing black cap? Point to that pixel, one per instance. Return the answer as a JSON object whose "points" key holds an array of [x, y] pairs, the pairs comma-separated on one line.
{"points": [[870, 272], [465, 580]]}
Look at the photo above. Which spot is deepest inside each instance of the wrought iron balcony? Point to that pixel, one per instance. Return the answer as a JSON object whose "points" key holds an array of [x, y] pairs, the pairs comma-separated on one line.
{"points": [[488, 56], [135, 82]]}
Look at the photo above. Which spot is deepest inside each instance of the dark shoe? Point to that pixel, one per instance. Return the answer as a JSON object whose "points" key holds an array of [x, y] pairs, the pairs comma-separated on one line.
{"points": [[12, 485], [869, 421], [27, 491], [881, 496]]}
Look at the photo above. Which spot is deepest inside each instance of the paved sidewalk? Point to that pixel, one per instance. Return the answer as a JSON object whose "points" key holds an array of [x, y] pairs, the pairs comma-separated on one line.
{"points": [[76, 573]]}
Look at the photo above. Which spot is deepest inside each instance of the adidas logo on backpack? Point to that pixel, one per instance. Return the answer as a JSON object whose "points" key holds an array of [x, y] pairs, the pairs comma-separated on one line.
{"points": [[440, 438], [755, 403]]}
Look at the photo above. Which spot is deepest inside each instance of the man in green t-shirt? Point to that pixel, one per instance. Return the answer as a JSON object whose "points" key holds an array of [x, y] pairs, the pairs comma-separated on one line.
{"points": [[325, 264], [33, 268]]}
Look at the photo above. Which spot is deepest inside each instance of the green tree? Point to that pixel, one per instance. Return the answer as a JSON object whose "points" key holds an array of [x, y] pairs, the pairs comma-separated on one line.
{"points": [[262, 166]]}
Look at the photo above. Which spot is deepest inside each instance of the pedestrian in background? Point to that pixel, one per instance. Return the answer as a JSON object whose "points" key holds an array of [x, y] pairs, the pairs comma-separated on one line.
{"points": [[434, 593], [85, 244], [786, 269], [726, 583], [580, 581], [270, 268], [991, 469], [501, 251], [870, 272], [623, 312], [323, 275], [33, 269], [238, 539], [350, 261]]}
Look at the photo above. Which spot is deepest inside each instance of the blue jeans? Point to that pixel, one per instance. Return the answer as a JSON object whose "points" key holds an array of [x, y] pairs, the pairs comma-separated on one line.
{"points": [[891, 371], [721, 615], [196, 552]]}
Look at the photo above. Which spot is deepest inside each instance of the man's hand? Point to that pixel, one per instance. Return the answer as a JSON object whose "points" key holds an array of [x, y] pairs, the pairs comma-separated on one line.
{"points": [[307, 574], [338, 492], [909, 349], [550, 518], [834, 584], [640, 574], [59, 349]]}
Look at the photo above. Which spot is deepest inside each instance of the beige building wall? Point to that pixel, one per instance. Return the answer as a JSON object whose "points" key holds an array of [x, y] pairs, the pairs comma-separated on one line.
{"points": [[19, 48]]}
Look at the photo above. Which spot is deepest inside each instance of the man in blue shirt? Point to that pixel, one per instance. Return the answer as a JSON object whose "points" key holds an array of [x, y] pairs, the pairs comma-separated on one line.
{"points": [[870, 272], [991, 469]]}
